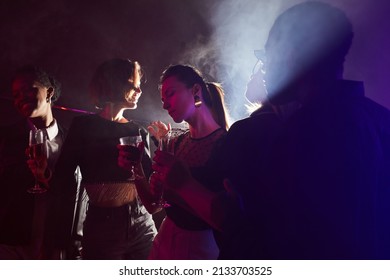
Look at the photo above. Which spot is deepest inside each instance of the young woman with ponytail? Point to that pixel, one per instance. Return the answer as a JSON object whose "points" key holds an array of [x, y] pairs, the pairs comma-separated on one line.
{"points": [[191, 178]]}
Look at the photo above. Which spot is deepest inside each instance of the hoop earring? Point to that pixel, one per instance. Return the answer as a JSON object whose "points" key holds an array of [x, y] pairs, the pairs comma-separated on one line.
{"points": [[197, 101]]}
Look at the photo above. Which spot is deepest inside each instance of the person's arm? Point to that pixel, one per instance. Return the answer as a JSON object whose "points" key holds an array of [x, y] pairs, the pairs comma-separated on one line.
{"points": [[147, 190], [148, 198], [217, 209]]}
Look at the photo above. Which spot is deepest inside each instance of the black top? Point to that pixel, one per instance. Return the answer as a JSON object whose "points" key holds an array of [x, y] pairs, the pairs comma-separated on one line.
{"points": [[246, 154], [315, 186], [201, 157], [91, 144]]}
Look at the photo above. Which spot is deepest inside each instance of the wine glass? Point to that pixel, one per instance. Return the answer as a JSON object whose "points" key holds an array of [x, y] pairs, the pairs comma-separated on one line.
{"points": [[37, 150], [165, 144], [132, 143]]}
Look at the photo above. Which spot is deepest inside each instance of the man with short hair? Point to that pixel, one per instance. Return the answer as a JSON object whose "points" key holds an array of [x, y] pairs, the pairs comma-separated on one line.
{"points": [[22, 214], [315, 182]]}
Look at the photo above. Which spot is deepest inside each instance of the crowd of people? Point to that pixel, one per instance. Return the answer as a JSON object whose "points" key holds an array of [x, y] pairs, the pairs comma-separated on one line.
{"points": [[305, 176]]}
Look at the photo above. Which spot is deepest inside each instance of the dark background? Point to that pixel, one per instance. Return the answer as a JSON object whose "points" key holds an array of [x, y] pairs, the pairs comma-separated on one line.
{"points": [[70, 38]]}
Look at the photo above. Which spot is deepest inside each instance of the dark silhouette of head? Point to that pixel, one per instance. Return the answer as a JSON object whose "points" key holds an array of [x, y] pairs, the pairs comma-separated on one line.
{"points": [[307, 43]]}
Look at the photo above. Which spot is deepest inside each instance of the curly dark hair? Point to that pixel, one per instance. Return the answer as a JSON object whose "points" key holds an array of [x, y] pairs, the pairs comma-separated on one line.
{"points": [[42, 77]]}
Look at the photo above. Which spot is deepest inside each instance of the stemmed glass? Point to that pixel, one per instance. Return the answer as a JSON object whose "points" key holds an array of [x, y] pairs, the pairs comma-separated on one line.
{"points": [[36, 151], [132, 143], [165, 144]]}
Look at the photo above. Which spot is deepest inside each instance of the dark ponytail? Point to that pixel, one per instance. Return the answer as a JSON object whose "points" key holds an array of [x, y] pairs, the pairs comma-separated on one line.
{"points": [[217, 107]]}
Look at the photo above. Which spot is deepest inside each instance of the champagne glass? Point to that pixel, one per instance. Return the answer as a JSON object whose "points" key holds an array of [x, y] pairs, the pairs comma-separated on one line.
{"points": [[132, 143], [37, 150], [165, 144]]}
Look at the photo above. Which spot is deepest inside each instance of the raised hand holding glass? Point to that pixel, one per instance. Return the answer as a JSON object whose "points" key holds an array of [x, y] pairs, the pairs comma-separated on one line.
{"points": [[132, 144]]}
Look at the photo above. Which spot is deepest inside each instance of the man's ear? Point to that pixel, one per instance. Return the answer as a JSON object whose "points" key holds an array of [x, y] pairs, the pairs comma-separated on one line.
{"points": [[50, 93]]}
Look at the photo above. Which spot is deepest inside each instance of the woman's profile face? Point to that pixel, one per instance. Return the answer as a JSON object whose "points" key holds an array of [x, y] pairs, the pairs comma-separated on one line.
{"points": [[135, 91], [177, 99]]}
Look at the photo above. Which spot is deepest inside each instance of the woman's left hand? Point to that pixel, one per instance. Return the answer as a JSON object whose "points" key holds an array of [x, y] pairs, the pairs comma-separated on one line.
{"points": [[158, 129]]}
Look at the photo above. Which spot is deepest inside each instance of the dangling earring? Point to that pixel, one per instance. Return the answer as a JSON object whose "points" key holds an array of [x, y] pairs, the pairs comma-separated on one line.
{"points": [[48, 99], [197, 101]]}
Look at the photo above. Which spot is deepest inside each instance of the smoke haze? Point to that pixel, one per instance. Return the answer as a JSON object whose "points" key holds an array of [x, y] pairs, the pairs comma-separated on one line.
{"points": [[70, 38]]}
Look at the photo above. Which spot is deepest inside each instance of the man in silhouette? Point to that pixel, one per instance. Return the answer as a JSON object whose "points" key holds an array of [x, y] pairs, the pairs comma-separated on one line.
{"points": [[315, 181]]}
